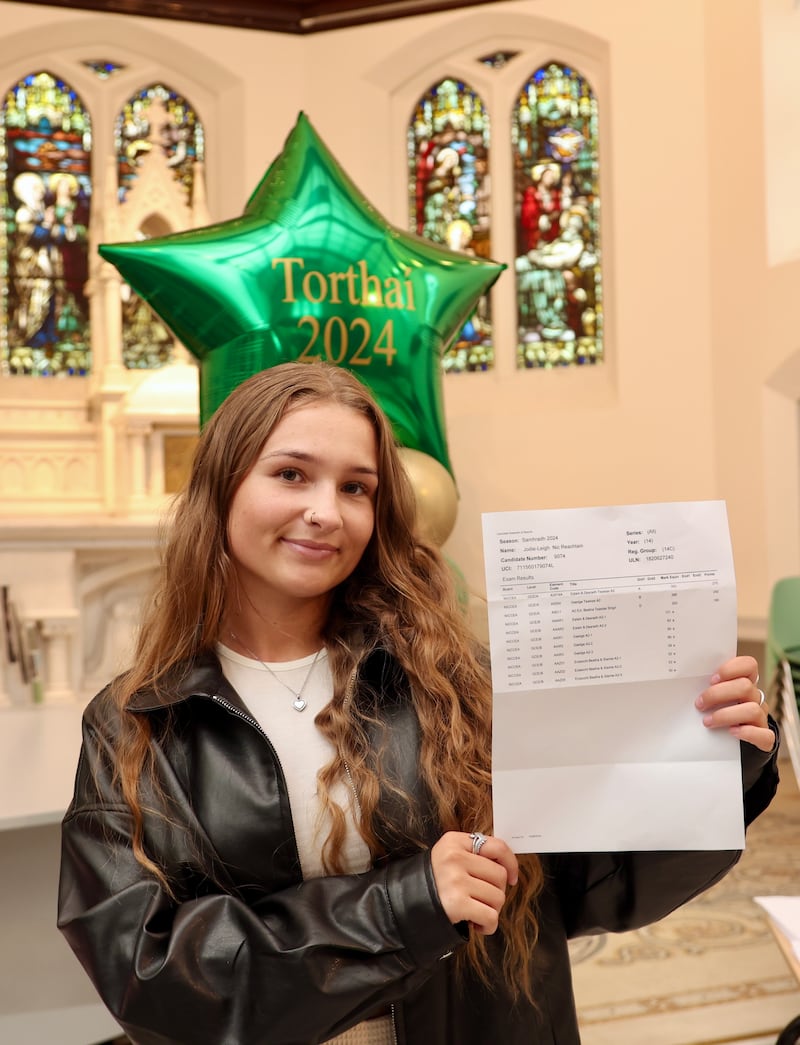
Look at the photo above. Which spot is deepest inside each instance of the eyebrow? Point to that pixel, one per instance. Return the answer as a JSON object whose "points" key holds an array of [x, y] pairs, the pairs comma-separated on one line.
{"points": [[300, 455]]}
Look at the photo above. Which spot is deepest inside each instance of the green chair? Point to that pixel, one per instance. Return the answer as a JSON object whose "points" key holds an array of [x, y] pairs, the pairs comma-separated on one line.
{"points": [[782, 663], [783, 631]]}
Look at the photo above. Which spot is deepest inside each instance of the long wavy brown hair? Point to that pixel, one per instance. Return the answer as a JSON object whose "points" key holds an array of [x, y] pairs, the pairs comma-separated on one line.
{"points": [[401, 598]]}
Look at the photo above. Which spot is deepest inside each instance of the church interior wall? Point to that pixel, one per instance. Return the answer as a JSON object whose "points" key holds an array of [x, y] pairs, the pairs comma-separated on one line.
{"points": [[697, 399]]}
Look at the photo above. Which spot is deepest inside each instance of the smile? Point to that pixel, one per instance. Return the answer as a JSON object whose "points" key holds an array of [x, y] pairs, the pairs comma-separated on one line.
{"points": [[311, 549]]}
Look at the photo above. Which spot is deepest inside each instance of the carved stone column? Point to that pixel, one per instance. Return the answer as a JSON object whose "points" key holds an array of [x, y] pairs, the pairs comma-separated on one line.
{"points": [[138, 437], [58, 634]]}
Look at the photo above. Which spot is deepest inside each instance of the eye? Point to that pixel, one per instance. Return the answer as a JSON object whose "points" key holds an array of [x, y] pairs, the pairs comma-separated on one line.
{"points": [[290, 475], [356, 487]]}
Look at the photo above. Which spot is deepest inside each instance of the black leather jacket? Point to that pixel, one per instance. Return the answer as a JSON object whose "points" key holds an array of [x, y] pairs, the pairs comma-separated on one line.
{"points": [[249, 954]]}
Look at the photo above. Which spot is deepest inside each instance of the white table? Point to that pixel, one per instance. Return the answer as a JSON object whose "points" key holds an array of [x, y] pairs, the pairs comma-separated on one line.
{"points": [[44, 994]]}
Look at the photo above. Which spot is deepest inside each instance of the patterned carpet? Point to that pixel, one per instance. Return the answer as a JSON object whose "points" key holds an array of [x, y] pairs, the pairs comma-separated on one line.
{"points": [[711, 972]]}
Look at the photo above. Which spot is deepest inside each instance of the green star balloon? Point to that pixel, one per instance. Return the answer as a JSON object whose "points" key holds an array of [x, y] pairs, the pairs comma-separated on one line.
{"points": [[311, 271]]}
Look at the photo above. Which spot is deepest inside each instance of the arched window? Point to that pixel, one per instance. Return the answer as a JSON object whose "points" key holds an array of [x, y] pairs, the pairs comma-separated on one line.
{"points": [[45, 191], [557, 202], [178, 132], [448, 159], [154, 118]]}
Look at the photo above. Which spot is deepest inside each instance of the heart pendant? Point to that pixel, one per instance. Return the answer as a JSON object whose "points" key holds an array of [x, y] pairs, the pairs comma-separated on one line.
{"points": [[299, 704]]}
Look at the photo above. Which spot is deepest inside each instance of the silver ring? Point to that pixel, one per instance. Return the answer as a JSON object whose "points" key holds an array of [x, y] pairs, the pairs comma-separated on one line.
{"points": [[763, 700], [311, 518], [478, 841]]}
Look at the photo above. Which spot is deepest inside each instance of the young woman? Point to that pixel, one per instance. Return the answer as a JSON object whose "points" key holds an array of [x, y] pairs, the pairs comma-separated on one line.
{"points": [[276, 837]]}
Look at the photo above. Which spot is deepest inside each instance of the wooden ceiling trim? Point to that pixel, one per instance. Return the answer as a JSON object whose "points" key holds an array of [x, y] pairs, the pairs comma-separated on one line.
{"points": [[282, 16]]}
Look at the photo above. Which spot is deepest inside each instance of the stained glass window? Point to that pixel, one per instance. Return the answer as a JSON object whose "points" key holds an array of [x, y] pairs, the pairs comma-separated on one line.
{"points": [[45, 191], [498, 59], [557, 202], [155, 118], [103, 69], [448, 157]]}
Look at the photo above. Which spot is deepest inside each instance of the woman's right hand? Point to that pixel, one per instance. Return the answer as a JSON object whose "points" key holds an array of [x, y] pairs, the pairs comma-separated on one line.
{"points": [[472, 886]]}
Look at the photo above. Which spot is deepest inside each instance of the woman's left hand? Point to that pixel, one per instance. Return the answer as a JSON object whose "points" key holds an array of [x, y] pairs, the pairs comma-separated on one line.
{"points": [[733, 701]]}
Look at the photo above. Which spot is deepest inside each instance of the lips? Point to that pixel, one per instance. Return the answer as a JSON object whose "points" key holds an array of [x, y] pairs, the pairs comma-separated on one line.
{"points": [[312, 549]]}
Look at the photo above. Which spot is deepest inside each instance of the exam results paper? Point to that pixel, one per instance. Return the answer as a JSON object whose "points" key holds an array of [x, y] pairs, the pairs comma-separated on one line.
{"points": [[605, 624]]}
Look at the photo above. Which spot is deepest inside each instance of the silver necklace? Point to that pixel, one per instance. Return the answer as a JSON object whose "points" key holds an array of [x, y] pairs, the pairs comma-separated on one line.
{"points": [[299, 703]]}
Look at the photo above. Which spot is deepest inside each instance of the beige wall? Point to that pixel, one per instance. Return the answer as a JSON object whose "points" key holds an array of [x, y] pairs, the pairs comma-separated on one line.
{"points": [[698, 323], [774, 362]]}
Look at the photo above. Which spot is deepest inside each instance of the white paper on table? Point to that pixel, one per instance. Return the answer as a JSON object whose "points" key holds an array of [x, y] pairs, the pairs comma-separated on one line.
{"points": [[605, 624], [785, 912]]}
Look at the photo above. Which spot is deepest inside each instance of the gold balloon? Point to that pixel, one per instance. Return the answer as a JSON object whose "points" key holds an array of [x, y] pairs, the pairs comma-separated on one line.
{"points": [[437, 500]]}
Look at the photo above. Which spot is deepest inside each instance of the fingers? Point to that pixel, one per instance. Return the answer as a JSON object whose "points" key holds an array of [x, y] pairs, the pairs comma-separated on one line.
{"points": [[733, 701], [761, 737], [496, 849], [738, 667], [472, 886], [730, 691], [734, 683]]}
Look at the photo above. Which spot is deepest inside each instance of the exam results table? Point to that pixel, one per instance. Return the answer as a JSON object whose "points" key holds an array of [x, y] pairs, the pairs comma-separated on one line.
{"points": [[567, 631], [45, 997]]}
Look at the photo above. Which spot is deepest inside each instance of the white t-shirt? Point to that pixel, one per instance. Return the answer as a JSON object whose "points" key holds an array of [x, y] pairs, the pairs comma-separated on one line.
{"points": [[300, 746]]}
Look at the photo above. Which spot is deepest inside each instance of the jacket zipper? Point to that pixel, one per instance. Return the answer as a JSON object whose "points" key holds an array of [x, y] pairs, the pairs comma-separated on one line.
{"points": [[251, 721], [348, 693], [247, 718]]}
